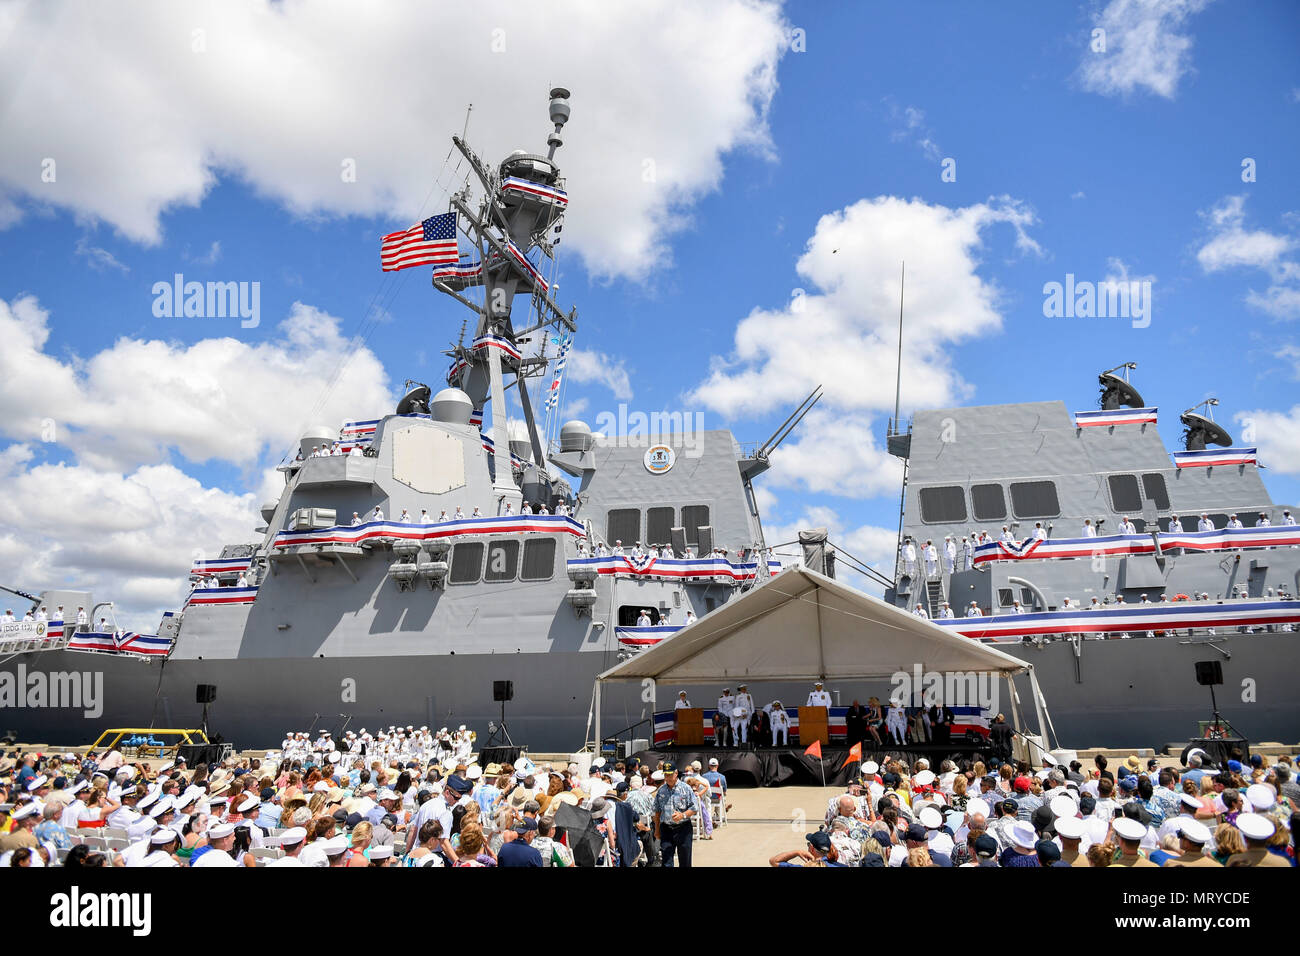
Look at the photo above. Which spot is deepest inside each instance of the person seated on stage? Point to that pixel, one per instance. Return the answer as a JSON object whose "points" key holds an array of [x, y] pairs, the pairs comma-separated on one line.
{"points": [[760, 725], [779, 720], [682, 702], [875, 720]]}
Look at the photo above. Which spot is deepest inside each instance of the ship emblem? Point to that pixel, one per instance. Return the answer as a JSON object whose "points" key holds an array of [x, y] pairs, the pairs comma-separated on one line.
{"points": [[659, 459]]}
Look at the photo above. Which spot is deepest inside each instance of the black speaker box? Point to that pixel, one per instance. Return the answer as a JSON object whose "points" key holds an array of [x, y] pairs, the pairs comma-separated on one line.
{"points": [[499, 755], [503, 690], [205, 693], [1209, 672]]}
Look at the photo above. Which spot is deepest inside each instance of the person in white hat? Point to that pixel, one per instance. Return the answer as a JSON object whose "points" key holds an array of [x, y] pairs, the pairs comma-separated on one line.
{"points": [[163, 843], [780, 724], [221, 840], [818, 697], [1193, 835], [291, 842], [1257, 830], [1130, 833], [1071, 831], [740, 716]]}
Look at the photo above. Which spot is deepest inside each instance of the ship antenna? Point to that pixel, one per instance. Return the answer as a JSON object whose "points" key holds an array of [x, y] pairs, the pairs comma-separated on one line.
{"points": [[898, 380], [464, 133]]}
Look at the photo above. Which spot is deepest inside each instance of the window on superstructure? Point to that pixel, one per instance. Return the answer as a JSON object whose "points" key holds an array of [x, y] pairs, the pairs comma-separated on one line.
{"points": [[1005, 597], [988, 502], [539, 560], [623, 524], [1124, 495], [1153, 487], [466, 563], [1034, 499], [658, 525], [502, 561], [943, 505], [694, 517]]}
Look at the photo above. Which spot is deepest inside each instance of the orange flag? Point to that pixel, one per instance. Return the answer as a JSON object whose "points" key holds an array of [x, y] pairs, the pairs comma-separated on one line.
{"points": [[814, 749], [855, 753]]}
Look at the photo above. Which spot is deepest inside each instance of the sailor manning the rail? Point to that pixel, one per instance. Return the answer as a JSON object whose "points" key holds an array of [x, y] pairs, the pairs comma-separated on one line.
{"points": [[740, 716], [1205, 524], [909, 557], [1006, 537], [459, 515], [780, 723], [818, 697], [1234, 522], [377, 514], [356, 519], [931, 560], [1039, 533], [973, 610], [1127, 527], [947, 610], [643, 619], [424, 517], [690, 616], [919, 611], [950, 554], [404, 517], [1088, 530]]}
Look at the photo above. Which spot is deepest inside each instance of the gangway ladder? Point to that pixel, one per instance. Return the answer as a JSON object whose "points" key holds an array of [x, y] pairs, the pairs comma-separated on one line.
{"points": [[934, 596]]}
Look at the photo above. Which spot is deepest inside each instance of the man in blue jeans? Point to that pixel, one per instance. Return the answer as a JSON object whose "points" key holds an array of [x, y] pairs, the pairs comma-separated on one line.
{"points": [[674, 807]]}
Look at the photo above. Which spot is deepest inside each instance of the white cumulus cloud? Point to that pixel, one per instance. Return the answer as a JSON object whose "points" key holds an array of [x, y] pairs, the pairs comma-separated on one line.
{"points": [[1146, 47], [1231, 244], [171, 97]]}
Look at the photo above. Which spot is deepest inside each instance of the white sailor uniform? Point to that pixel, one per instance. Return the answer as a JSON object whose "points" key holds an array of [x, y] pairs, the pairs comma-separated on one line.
{"points": [[722, 718], [819, 698], [896, 723], [780, 720], [950, 554], [740, 724]]}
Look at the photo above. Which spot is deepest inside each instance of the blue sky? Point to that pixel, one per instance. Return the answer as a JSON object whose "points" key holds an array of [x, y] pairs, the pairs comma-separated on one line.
{"points": [[713, 288]]}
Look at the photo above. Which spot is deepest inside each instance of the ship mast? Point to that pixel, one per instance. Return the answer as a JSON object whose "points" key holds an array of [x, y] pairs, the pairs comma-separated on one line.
{"points": [[523, 201]]}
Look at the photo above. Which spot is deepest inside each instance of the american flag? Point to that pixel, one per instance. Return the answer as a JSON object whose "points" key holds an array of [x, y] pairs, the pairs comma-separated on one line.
{"points": [[432, 242]]}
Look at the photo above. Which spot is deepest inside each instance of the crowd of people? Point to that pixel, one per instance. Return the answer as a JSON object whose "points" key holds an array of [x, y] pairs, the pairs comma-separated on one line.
{"points": [[1015, 816], [400, 797]]}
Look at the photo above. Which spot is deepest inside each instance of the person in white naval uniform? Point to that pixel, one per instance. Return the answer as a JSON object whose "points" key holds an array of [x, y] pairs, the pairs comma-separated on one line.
{"points": [[617, 550], [722, 717], [1175, 526], [967, 553], [1040, 533], [931, 559], [377, 514], [896, 722], [949, 554], [1234, 523], [919, 611], [1017, 608], [740, 716], [509, 511], [819, 696], [946, 612], [41, 616], [221, 839], [690, 616], [1205, 524], [476, 513], [1006, 537], [404, 517], [779, 719], [1089, 531], [973, 610], [459, 515], [682, 703], [354, 451], [909, 557], [643, 619], [356, 519], [82, 619], [424, 517]]}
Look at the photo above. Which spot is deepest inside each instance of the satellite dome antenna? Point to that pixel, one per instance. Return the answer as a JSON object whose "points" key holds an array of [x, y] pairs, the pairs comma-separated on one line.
{"points": [[416, 399], [1117, 392], [1203, 430]]}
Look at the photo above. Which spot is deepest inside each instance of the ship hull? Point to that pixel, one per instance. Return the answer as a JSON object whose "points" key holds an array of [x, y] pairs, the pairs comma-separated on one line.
{"points": [[1140, 692]]}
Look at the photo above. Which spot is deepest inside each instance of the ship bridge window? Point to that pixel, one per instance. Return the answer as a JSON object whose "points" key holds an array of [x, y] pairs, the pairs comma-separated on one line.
{"points": [[1035, 499], [466, 562], [539, 560], [628, 614], [988, 502], [1153, 487], [1124, 495], [623, 524], [1005, 597], [658, 525], [943, 505], [502, 561], [694, 517]]}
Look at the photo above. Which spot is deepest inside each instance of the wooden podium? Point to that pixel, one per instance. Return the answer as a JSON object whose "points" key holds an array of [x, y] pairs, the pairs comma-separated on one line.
{"points": [[814, 724], [690, 727]]}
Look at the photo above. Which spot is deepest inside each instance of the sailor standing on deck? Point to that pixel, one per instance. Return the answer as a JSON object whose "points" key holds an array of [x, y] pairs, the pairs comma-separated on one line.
{"points": [[424, 517], [909, 557], [967, 553], [740, 716], [1205, 524], [1039, 533], [690, 616], [722, 718], [931, 559], [950, 554], [41, 616], [1234, 522], [780, 722], [973, 610], [404, 517], [82, 618], [1126, 526], [946, 612], [377, 514], [1088, 530], [356, 519], [919, 611], [818, 696], [643, 620], [1006, 537]]}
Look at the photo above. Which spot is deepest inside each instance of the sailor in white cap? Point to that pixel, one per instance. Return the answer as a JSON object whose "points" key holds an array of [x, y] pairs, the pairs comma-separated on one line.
{"points": [[973, 610], [292, 841], [1126, 526], [1070, 830], [1188, 807], [818, 697], [71, 817], [356, 519], [950, 554], [1193, 835], [919, 611], [909, 557], [931, 555], [221, 840], [1130, 834], [1089, 530], [335, 850], [722, 717], [967, 553], [740, 716], [643, 619], [404, 517], [163, 842], [896, 722], [946, 610], [1205, 524], [126, 814], [681, 703], [377, 514], [1257, 830], [780, 723]]}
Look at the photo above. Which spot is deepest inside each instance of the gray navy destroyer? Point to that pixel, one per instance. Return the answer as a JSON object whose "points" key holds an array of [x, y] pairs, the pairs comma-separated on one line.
{"points": [[1081, 545], [474, 556]]}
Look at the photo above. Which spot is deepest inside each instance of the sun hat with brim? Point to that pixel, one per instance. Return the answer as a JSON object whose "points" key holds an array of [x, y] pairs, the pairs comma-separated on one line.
{"points": [[1023, 835]]}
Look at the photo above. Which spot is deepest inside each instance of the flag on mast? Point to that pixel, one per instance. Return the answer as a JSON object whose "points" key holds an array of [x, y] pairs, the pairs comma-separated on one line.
{"points": [[428, 243]]}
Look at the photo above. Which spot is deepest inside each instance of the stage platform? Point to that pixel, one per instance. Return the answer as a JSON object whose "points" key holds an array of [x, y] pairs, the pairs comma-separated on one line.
{"points": [[790, 766]]}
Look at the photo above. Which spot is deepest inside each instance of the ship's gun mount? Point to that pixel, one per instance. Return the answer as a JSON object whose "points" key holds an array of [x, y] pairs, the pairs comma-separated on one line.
{"points": [[1119, 392], [1203, 430]]}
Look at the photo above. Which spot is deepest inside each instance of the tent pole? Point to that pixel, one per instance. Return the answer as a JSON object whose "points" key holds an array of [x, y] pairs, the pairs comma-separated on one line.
{"points": [[596, 706], [1040, 708], [1017, 719]]}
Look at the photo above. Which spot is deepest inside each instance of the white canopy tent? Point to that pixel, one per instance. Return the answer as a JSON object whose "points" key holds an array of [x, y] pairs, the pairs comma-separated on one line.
{"points": [[802, 625]]}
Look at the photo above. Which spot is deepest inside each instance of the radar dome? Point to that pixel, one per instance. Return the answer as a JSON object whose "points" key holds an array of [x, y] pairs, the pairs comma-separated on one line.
{"points": [[452, 406], [315, 436], [576, 436]]}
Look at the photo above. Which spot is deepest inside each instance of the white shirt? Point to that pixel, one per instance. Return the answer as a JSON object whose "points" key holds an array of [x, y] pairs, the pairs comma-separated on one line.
{"points": [[974, 612], [643, 620], [424, 519], [1175, 527], [1205, 524], [377, 514], [780, 719], [690, 617], [745, 703], [283, 861], [404, 517], [682, 704], [1234, 523], [819, 698], [1089, 531], [214, 858], [356, 519]]}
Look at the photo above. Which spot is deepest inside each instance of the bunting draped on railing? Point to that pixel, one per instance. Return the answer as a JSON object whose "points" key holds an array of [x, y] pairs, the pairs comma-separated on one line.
{"points": [[496, 342], [967, 720], [466, 271], [1208, 457], [221, 566], [1115, 416], [1224, 539], [501, 524], [529, 269], [221, 596], [121, 642], [646, 636], [551, 194], [1119, 619], [678, 568]]}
